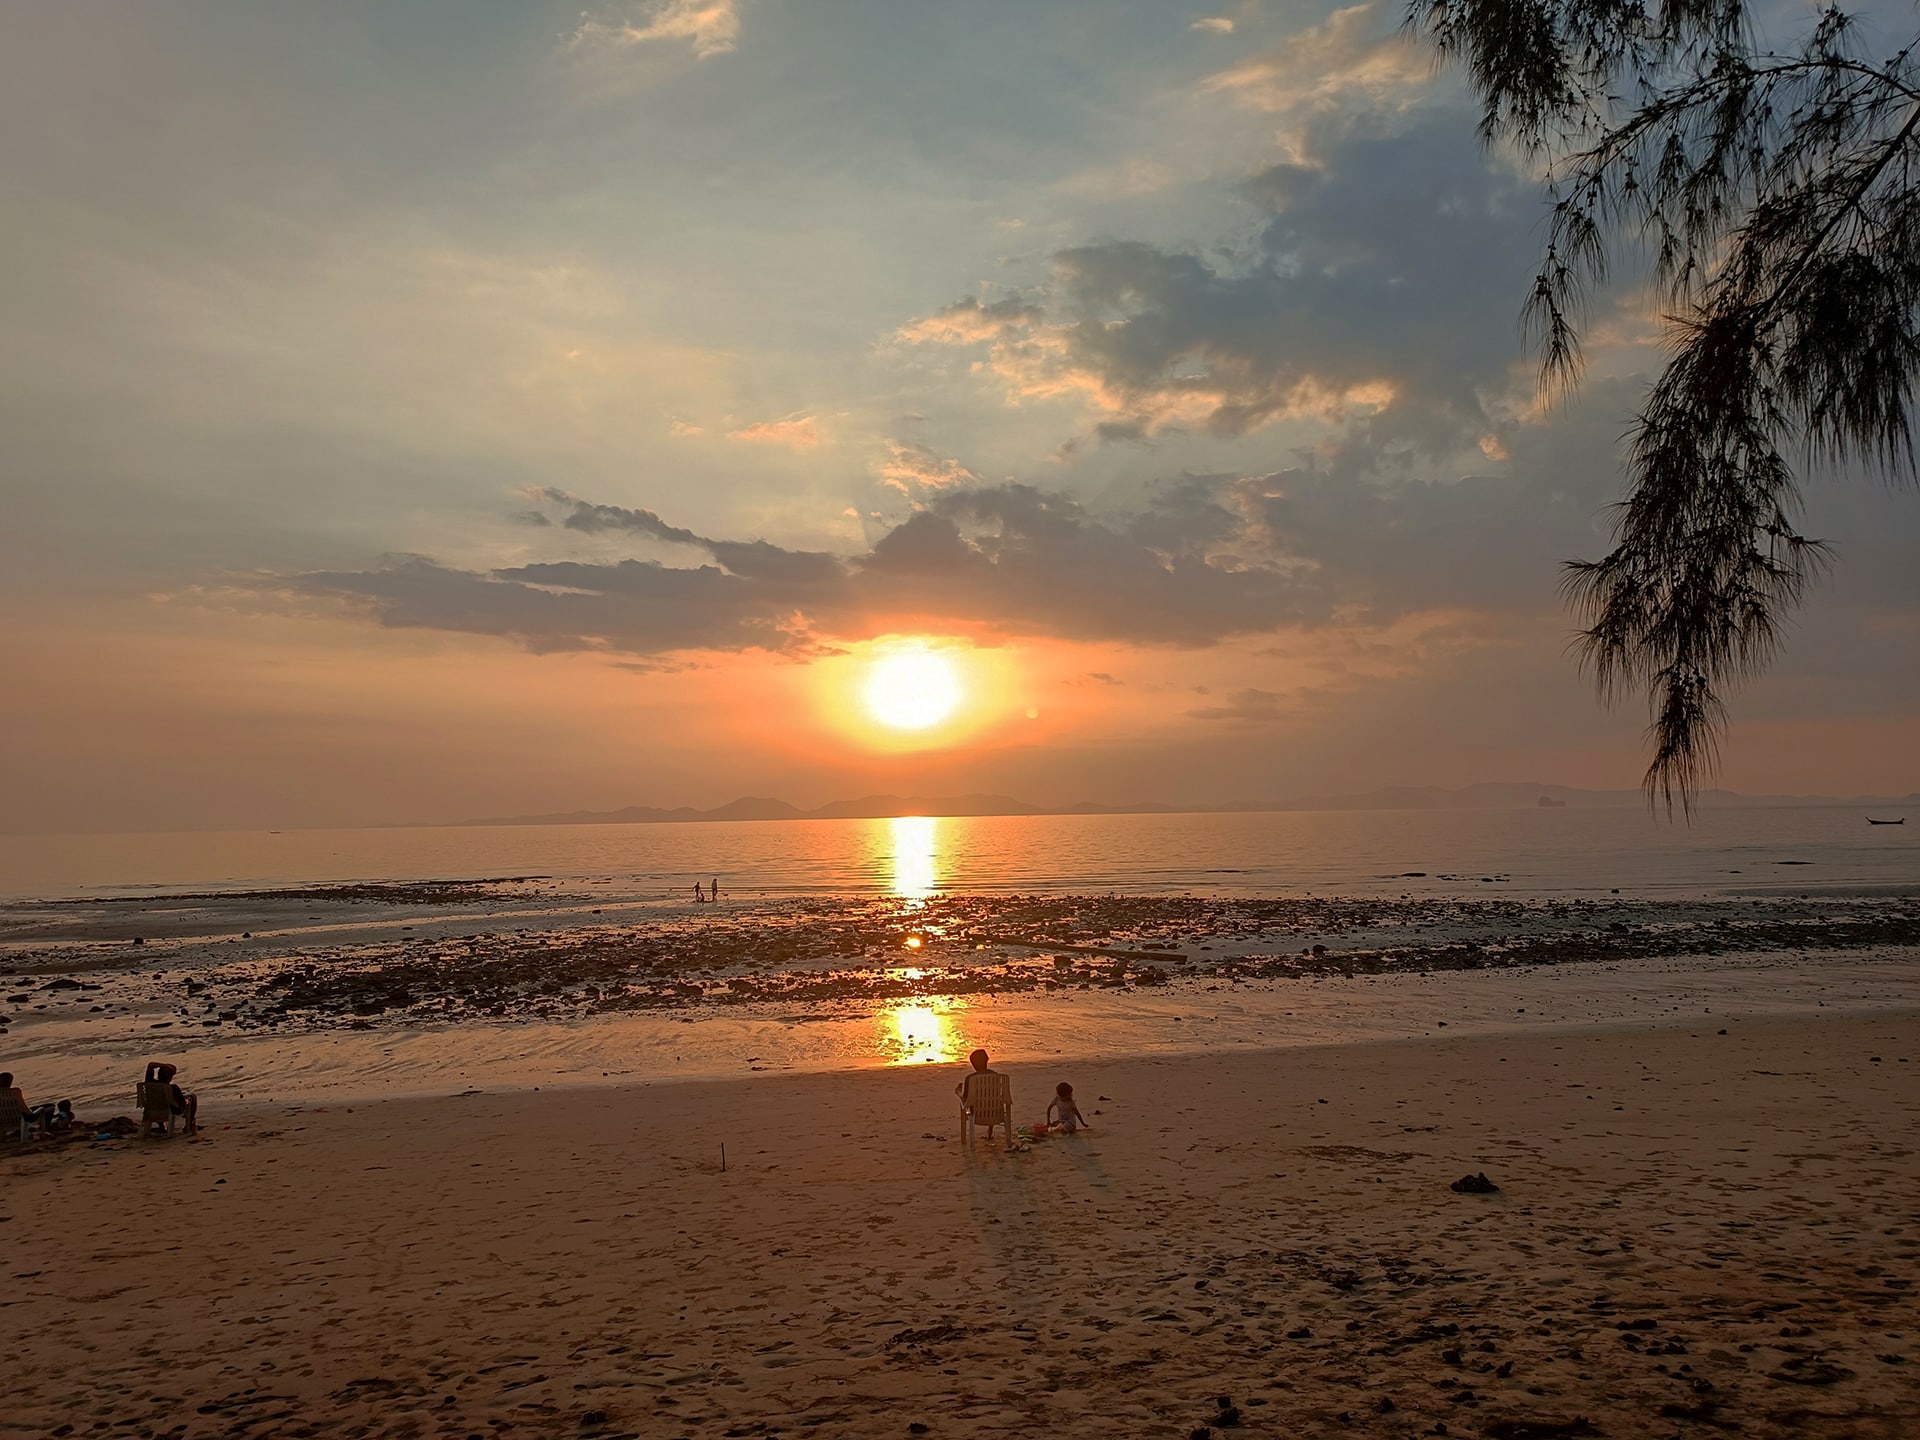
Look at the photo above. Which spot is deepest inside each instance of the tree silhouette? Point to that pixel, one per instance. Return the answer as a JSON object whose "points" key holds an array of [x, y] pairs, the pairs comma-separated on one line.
{"points": [[1770, 195]]}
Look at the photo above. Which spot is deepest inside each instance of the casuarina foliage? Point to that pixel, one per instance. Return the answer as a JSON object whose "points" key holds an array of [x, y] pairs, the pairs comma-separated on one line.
{"points": [[1769, 190]]}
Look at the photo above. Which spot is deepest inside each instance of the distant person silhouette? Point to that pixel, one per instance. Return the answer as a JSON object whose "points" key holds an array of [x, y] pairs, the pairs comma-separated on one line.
{"points": [[699, 895], [713, 890]]}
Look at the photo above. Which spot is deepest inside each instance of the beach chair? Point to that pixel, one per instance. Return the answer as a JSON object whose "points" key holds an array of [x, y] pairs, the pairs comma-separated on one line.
{"points": [[988, 1101], [15, 1118], [155, 1099]]}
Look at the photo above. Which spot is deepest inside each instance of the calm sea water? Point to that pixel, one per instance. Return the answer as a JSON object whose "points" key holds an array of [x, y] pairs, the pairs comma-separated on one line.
{"points": [[1531, 852]]}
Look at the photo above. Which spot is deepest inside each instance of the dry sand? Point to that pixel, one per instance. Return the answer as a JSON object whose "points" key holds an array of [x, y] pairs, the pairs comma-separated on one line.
{"points": [[1694, 1232]]}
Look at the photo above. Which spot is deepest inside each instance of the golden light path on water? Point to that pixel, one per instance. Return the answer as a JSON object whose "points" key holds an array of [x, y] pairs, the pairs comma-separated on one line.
{"points": [[924, 1032], [916, 852], [927, 1031]]}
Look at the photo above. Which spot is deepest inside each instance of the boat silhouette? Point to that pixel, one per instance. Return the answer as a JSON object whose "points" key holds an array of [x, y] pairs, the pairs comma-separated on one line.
{"points": [[1901, 821]]}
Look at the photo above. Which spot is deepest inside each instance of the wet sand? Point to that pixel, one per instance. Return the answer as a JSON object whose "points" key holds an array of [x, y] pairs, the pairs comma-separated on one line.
{"points": [[1694, 1233], [331, 1064]]}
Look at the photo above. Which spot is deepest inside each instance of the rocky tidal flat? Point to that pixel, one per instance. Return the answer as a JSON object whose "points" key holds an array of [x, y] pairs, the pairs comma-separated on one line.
{"points": [[366, 956]]}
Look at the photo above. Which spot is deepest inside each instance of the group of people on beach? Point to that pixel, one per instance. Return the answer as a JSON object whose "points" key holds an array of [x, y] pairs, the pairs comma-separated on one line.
{"points": [[1062, 1113], [52, 1119], [58, 1118], [704, 896]]}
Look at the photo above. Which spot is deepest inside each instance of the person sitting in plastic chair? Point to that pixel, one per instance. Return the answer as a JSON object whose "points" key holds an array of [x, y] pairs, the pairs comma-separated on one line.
{"points": [[986, 1098], [162, 1101]]}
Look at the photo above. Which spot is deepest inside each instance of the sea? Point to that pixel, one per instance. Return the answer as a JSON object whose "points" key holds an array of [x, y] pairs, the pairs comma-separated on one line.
{"points": [[1532, 852]]}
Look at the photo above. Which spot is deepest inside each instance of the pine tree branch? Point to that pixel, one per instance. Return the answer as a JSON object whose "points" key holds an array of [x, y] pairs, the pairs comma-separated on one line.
{"points": [[1767, 309]]}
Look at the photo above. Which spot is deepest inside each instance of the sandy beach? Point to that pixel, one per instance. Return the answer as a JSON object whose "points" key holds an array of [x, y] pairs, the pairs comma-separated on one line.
{"points": [[1695, 1231]]}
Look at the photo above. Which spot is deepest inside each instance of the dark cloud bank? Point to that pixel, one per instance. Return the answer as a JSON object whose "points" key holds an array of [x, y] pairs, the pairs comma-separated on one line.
{"points": [[1209, 557]]}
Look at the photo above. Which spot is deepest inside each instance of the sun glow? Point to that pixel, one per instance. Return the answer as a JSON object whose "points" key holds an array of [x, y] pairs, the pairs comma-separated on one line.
{"points": [[900, 694], [912, 689]]}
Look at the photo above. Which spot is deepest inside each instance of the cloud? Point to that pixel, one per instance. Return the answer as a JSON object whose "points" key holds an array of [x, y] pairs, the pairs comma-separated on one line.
{"points": [[800, 433], [1019, 560], [909, 465], [632, 608], [710, 27], [1360, 311], [1351, 58], [1213, 25], [591, 519], [1204, 559], [751, 559], [1004, 560], [967, 322], [1245, 707]]}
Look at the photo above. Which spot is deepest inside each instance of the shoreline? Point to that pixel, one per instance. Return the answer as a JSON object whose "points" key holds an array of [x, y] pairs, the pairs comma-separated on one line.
{"points": [[861, 1033], [1691, 1230]]}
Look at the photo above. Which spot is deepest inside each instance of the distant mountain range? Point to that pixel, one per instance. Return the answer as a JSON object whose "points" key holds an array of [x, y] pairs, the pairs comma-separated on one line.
{"points": [[1400, 797]]}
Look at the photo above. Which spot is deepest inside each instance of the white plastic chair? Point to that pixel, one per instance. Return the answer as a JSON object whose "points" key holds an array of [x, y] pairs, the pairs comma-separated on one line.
{"points": [[155, 1099], [15, 1118], [987, 1100]]}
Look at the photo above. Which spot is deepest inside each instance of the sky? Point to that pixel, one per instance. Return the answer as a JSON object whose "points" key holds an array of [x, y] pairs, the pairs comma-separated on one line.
{"points": [[411, 413]]}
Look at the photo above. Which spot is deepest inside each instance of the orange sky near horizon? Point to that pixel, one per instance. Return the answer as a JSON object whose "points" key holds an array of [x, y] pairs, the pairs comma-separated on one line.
{"points": [[259, 722]]}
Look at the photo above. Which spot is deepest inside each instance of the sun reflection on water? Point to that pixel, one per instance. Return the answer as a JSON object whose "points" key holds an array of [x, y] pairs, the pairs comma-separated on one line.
{"points": [[921, 1034], [916, 845]]}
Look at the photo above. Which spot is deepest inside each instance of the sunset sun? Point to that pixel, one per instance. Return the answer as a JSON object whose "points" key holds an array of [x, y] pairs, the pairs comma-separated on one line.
{"points": [[912, 689]]}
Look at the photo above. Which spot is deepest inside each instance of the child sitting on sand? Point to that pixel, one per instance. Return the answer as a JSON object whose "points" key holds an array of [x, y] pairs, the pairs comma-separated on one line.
{"points": [[1063, 1113]]}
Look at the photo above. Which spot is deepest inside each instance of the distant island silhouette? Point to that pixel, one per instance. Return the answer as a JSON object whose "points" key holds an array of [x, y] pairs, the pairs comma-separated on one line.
{"points": [[1485, 796]]}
